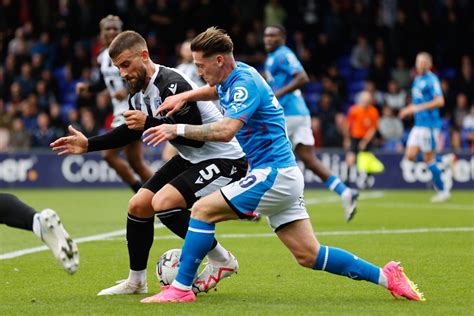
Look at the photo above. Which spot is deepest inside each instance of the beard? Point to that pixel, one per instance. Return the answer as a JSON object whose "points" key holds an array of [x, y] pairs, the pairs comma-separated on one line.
{"points": [[139, 82]]}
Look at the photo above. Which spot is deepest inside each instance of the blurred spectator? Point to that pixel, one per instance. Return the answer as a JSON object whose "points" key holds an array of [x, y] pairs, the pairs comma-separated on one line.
{"points": [[467, 134], [460, 111], [274, 13], [88, 125], [465, 80], [43, 134], [187, 65], [252, 51], [20, 137], [29, 111], [327, 122], [377, 95], [378, 72], [394, 97], [26, 82], [73, 119], [56, 121], [45, 97], [361, 55], [401, 74], [390, 128]]}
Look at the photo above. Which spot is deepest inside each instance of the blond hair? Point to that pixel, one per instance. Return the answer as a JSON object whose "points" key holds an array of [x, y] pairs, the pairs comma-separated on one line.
{"points": [[212, 41]]}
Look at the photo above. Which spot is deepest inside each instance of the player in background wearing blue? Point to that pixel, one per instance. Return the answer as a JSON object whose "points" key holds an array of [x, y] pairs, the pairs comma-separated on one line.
{"points": [[427, 98], [45, 224], [285, 75], [274, 185]]}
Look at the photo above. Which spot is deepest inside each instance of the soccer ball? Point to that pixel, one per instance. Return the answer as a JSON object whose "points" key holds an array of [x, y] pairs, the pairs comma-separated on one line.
{"points": [[167, 266]]}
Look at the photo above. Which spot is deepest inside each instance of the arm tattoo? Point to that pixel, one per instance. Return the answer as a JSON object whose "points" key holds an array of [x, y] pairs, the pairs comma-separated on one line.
{"points": [[206, 132]]}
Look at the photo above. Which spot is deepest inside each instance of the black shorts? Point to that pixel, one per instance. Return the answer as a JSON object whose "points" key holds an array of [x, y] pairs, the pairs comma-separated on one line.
{"points": [[355, 145], [196, 180]]}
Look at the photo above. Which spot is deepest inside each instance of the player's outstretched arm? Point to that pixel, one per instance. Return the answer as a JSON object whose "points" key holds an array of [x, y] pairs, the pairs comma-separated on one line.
{"points": [[222, 131], [77, 143], [174, 103]]}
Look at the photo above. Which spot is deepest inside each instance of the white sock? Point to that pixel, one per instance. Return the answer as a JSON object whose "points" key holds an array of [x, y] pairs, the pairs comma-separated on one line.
{"points": [[137, 277], [383, 279], [181, 286], [37, 225], [219, 254]]}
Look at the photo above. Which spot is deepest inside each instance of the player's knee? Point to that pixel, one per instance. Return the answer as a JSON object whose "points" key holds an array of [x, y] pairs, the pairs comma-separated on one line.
{"points": [[138, 207], [160, 203], [201, 211]]}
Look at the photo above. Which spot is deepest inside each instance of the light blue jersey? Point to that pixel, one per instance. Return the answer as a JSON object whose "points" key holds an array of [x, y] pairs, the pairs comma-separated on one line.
{"points": [[247, 97], [281, 67], [424, 89]]}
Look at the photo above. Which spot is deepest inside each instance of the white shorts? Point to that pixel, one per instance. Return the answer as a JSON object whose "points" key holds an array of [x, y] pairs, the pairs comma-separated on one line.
{"points": [[424, 138], [299, 130], [118, 120], [276, 193]]}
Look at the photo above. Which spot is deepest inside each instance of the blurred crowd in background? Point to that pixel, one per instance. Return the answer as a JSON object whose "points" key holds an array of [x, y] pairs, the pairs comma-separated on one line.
{"points": [[345, 46]]}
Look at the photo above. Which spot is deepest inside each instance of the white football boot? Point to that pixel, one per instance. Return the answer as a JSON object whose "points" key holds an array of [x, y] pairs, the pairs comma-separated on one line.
{"points": [[214, 272], [57, 239], [441, 196], [125, 287], [349, 203]]}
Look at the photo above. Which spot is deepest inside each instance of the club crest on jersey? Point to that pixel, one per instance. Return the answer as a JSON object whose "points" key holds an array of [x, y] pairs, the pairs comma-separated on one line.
{"points": [[240, 94], [173, 88]]}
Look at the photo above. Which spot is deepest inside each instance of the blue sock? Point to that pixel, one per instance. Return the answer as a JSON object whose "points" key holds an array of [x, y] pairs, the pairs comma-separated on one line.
{"points": [[197, 244], [335, 184], [420, 158], [436, 172], [339, 261]]}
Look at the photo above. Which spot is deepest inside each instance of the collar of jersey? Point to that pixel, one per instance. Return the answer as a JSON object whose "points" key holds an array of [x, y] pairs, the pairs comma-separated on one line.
{"points": [[151, 84], [231, 78]]}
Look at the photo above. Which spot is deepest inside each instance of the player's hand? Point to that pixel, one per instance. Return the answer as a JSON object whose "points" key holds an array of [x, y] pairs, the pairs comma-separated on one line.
{"points": [[121, 95], [362, 145], [171, 105], [81, 88], [407, 111], [135, 120], [77, 143], [158, 134]]}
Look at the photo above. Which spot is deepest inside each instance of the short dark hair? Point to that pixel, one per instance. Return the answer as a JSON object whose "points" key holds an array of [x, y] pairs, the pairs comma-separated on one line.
{"points": [[212, 41], [126, 40], [280, 27]]}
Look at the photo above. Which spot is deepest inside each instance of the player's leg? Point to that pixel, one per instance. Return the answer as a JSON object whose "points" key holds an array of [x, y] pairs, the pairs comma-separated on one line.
{"points": [[135, 157], [46, 225], [168, 152], [140, 232], [205, 214], [298, 237], [349, 196], [172, 202], [112, 157]]}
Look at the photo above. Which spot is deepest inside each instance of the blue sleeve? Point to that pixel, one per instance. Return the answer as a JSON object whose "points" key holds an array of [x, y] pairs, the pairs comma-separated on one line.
{"points": [[436, 86], [289, 63], [244, 100]]}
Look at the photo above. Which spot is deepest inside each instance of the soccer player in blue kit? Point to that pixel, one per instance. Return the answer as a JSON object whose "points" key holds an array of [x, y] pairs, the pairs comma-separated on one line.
{"points": [[427, 98], [274, 185], [285, 75]]}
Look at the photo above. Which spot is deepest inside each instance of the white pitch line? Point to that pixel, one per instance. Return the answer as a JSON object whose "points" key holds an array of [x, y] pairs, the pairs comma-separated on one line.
{"points": [[334, 198], [18, 253], [338, 233]]}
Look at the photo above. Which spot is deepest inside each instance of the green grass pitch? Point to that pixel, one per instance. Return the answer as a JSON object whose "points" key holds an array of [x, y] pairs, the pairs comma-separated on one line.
{"points": [[388, 226]]}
